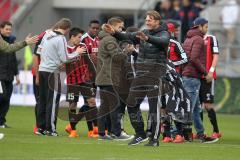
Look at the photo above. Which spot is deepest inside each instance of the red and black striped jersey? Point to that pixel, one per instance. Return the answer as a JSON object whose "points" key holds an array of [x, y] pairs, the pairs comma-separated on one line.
{"points": [[211, 48], [176, 54], [40, 36], [79, 69], [92, 46]]}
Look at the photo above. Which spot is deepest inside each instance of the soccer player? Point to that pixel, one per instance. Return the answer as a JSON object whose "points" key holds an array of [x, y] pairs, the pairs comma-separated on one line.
{"points": [[177, 56], [91, 40], [78, 74], [207, 88], [176, 53], [35, 66]]}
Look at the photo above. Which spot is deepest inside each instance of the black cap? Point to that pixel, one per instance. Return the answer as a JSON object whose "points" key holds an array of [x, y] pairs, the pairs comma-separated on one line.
{"points": [[199, 21]]}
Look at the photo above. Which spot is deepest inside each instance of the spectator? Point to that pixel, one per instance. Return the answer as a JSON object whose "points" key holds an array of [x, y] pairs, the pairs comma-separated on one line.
{"points": [[166, 10], [186, 15], [205, 2], [199, 5], [176, 5], [158, 6]]}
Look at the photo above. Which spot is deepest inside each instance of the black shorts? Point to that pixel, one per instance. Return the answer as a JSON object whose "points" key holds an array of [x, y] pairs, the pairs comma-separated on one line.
{"points": [[72, 93], [206, 93], [87, 90]]}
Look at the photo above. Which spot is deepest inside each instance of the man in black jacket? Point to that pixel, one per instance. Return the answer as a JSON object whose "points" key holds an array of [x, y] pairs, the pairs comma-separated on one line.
{"points": [[153, 44], [8, 69]]}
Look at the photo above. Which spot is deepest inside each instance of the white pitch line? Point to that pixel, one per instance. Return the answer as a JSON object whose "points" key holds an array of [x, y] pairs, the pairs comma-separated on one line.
{"points": [[90, 142]]}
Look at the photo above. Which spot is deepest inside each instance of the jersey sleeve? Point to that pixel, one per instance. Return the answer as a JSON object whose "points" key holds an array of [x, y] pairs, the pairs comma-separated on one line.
{"points": [[180, 51], [214, 45]]}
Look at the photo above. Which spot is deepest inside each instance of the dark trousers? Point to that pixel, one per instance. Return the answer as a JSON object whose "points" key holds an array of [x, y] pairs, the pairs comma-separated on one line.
{"points": [[137, 122], [49, 93], [122, 108], [109, 106], [36, 95], [141, 87], [7, 88]]}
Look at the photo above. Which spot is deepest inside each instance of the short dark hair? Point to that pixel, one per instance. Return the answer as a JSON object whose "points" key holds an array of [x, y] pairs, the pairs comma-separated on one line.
{"points": [[5, 23], [114, 20], [94, 21], [75, 31], [63, 23]]}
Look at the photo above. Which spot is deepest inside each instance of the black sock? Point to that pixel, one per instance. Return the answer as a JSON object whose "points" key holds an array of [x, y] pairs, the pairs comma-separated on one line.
{"points": [[179, 127], [167, 129], [94, 114], [95, 123], [213, 119], [108, 124], [90, 116], [187, 132], [90, 125], [201, 115], [72, 118]]}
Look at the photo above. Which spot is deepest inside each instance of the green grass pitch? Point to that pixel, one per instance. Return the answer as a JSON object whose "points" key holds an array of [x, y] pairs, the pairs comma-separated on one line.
{"points": [[20, 143]]}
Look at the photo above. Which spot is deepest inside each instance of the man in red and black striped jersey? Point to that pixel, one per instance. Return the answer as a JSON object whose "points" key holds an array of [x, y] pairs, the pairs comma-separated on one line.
{"points": [[207, 88], [91, 40], [80, 72], [176, 53], [177, 57]]}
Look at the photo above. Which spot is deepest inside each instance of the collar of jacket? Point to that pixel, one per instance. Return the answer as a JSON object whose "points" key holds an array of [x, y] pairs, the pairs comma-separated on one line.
{"points": [[162, 27], [10, 39], [103, 34], [59, 33], [195, 32]]}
